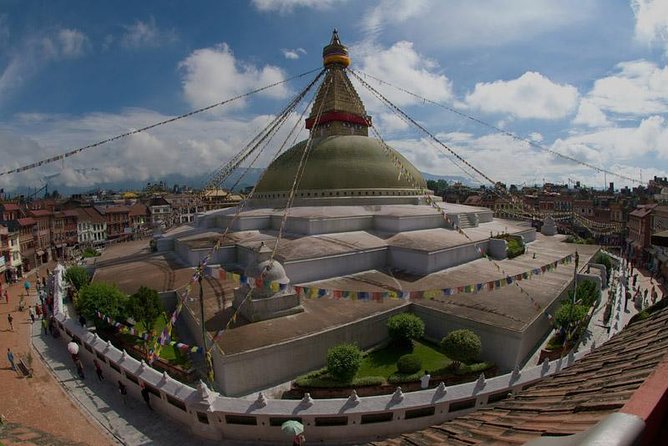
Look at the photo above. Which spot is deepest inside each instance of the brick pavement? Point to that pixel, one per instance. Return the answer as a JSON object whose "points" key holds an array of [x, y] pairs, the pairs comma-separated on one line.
{"points": [[36, 409]]}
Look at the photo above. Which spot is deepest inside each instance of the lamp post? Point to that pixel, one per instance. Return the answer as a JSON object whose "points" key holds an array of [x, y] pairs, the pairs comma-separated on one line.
{"points": [[575, 286]]}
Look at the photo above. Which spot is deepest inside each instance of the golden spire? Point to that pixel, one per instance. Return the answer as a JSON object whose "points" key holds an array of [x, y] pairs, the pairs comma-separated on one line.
{"points": [[335, 52]]}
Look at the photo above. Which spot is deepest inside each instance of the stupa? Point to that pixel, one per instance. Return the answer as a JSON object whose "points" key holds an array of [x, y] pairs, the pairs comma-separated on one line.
{"points": [[361, 221]]}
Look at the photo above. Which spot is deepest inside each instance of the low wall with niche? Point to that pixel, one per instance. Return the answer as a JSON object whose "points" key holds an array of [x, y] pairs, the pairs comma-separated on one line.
{"points": [[207, 414]]}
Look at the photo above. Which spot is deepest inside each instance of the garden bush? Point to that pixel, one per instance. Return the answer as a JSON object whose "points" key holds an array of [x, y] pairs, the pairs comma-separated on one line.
{"points": [[343, 362], [400, 378], [603, 259], [568, 315], [408, 364], [461, 346], [404, 328]]}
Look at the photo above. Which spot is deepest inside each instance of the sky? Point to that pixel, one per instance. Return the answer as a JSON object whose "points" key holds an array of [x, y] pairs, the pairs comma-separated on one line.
{"points": [[584, 78]]}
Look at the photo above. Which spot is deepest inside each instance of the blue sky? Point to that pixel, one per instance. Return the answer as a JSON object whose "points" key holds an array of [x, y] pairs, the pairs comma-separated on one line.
{"points": [[585, 78]]}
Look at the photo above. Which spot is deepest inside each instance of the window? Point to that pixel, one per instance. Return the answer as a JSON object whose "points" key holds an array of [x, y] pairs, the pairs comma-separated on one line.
{"points": [[132, 378], [461, 405], [331, 421], [278, 421], [376, 418], [241, 419], [422, 412], [202, 418], [176, 403]]}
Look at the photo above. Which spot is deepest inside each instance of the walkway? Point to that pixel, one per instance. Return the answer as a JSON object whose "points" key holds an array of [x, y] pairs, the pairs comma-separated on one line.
{"points": [[36, 410], [130, 424], [598, 332]]}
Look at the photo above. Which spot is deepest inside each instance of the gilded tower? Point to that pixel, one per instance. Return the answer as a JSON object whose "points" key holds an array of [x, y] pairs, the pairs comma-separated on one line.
{"points": [[340, 108]]}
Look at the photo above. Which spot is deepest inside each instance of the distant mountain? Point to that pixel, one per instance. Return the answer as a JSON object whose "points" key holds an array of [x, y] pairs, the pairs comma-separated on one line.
{"points": [[240, 180], [450, 179]]}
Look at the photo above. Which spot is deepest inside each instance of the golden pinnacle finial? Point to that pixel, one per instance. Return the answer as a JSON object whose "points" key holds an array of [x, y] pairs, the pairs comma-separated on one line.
{"points": [[335, 53]]}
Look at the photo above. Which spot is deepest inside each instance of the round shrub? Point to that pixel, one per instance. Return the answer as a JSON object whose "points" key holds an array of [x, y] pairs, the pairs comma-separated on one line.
{"points": [[409, 364], [404, 328], [343, 361], [462, 345]]}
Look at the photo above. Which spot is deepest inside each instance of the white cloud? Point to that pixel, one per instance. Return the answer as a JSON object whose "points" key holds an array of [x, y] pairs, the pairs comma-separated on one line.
{"points": [[639, 87], [72, 42], [146, 35], [287, 6], [391, 12], [293, 54], [619, 143], [415, 70], [532, 95], [464, 24], [590, 115], [36, 52], [191, 147], [214, 74], [651, 21]]}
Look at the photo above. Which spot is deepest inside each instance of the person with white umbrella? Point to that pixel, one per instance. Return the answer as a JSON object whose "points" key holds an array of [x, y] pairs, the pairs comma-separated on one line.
{"points": [[296, 429]]}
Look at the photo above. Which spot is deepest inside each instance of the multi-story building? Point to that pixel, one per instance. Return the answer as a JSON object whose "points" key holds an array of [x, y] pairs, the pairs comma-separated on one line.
{"points": [[219, 199], [639, 231], [42, 235], [58, 243], [138, 215], [70, 218], [27, 229], [91, 227], [118, 220], [160, 211], [584, 208], [184, 207]]}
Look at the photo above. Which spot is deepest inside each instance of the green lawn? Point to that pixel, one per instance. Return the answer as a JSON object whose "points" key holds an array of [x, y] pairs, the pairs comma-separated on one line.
{"points": [[384, 362], [167, 352]]}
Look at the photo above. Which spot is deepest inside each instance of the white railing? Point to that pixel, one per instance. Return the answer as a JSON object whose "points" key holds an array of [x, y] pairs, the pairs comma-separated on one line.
{"points": [[208, 414]]}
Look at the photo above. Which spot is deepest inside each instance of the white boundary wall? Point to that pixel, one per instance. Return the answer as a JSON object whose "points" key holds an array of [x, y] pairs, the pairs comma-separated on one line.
{"points": [[210, 415]]}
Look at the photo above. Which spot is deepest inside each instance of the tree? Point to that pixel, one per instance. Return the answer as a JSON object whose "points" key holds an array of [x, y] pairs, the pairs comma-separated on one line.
{"points": [[103, 297], [568, 316], [404, 328], [461, 346], [144, 306], [343, 362], [78, 276]]}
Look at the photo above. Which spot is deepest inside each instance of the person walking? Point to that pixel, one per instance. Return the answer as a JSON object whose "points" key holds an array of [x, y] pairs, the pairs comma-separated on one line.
{"points": [[98, 370], [123, 391], [299, 440], [31, 312], [10, 319], [45, 326], [6, 297], [145, 395], [80, 368], [10, 358]]}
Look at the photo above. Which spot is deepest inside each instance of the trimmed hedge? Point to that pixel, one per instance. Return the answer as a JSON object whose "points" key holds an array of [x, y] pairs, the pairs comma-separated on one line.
{"points": [[320, 378], [343, 361], [400, 378], [405, 327], [409, 364]]}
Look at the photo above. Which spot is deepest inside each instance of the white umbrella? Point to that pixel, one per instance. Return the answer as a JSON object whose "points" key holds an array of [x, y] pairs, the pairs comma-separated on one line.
{"points": [[73, 348]]}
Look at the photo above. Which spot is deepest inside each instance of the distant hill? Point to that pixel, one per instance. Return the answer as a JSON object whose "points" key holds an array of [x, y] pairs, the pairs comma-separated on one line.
{"points": [[450, 179], [240, 180]]}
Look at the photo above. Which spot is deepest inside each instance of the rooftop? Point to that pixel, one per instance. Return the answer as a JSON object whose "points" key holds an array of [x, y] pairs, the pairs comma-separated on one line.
{"points": [[608, 380]]}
